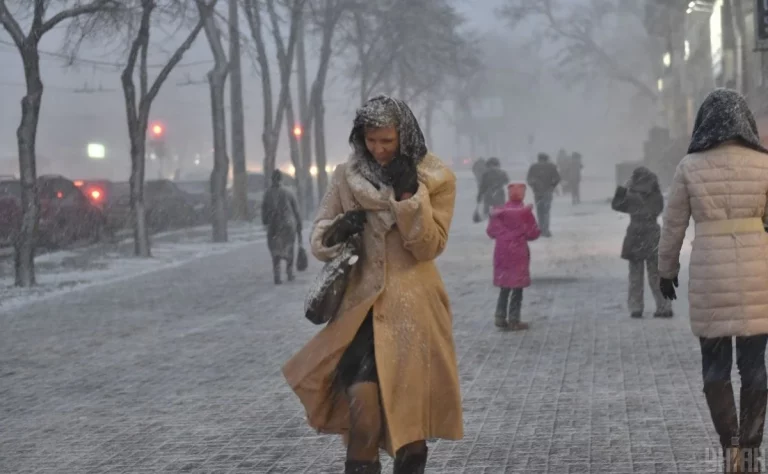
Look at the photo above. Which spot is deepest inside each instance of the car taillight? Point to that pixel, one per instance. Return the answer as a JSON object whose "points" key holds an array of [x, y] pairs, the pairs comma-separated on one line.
{"points": [[59, 195], [79, 184], [96, 195]]}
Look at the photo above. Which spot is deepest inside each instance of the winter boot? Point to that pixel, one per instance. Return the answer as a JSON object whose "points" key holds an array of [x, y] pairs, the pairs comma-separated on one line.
{"points": [[636, 314], [410, 463], [663, 314], [500, 318], [518, 326], [362, 467], [722, 408], [751, 424]]}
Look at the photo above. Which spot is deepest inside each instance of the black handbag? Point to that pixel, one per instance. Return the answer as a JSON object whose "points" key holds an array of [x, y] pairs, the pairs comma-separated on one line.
{"points": [[302, 261], [325, 296]]}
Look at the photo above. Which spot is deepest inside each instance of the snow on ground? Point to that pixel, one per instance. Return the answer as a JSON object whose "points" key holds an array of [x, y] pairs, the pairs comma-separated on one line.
{"points": [[70, 270]]}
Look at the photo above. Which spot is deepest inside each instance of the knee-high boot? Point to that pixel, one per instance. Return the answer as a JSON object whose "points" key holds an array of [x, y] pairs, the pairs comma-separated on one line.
{"points": [[722, 408]]}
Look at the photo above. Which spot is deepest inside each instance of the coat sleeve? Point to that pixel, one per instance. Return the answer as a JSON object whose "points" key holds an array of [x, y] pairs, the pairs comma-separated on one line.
{"points": [[676, 218], [329, 212], [493, 227], [425, 219]]}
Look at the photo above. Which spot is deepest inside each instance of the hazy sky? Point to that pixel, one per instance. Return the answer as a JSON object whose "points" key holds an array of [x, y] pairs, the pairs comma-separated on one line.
{"points": [[604, 129]]}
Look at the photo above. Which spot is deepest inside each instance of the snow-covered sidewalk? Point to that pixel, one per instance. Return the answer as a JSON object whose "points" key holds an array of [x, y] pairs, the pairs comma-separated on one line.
{"points": [[68, 270]]}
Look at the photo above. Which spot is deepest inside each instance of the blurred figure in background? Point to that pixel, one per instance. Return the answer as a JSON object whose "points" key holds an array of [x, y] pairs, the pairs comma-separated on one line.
{"points": [[543, 178], [478, 169], [641, 198], [280, 214], [574, 177], [491, 192], [563, 164], [512, 227]]}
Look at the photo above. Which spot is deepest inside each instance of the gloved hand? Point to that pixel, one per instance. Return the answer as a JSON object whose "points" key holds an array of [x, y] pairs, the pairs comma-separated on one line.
{"points": [[667, 287], [403, 176], [351, 223]]}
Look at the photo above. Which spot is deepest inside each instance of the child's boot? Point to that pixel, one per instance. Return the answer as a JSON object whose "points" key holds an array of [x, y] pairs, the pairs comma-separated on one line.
{"points": [[515, 308], [501, 309]]}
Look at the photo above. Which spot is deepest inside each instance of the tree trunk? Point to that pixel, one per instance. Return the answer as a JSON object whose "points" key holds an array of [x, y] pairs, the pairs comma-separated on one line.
{"points": [[429, 113], [216, 79], [301, 185], [26, 134], [240, 181], [322, 162], [306, 121], [138, 136]]}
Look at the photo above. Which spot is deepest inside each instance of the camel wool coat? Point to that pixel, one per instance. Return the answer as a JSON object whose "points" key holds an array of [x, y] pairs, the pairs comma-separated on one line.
{"points": [[724, 190], [398, 279]]}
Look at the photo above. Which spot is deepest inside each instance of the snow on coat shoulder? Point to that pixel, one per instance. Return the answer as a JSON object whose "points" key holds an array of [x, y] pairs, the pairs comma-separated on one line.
{"points": [[512, 226]]}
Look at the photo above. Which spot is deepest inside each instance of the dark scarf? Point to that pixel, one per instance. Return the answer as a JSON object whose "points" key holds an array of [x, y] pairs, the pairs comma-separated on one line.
{"points": [[379, 112], [724, 116]]}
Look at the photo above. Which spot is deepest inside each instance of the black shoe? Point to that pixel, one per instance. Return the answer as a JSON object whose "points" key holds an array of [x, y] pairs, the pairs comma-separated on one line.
{"points": [[410, 463], [362, 467], [636, 314], [663, 314]]}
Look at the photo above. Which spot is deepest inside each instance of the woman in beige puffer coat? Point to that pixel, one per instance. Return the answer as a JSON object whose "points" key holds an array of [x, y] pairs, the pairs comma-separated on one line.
{"points": [[722, 183]]}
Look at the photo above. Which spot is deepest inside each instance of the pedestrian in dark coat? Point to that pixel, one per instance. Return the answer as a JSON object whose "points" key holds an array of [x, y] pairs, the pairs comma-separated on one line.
{"points": [[280, 214], [543, 178], [641, 198], [492, 192]]}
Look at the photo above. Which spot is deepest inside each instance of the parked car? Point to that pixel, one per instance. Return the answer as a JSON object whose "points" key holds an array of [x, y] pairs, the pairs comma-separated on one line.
{"points": [[168, 206], [112, 198], [66, 214]]}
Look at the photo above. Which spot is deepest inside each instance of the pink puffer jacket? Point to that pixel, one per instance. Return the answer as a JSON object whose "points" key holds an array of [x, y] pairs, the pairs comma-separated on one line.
{"points": [[512, 226]]}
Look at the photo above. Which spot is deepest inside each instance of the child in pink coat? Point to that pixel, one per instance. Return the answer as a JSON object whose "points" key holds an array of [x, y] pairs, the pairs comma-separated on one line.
{"points": [[512, 226]]}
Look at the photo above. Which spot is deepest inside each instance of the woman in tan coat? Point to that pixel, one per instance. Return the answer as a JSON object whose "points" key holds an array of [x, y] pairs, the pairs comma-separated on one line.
{"points": [[383, 372], [722, 184]]}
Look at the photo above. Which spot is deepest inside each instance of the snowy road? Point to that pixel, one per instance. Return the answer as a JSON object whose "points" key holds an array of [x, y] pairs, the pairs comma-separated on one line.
{"points": [[179, 370]]}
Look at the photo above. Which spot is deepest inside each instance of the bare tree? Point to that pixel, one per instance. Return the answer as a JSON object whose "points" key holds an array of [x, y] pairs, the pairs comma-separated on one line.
{"points": [[326, 16], [217, 78], [273, 114], [139, 103], [579, 30], [240, 181], [26, 134]]}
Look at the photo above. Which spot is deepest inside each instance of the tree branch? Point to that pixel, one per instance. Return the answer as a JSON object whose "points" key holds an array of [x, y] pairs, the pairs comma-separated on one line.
{"points": [[11, 25], [92, 7]]}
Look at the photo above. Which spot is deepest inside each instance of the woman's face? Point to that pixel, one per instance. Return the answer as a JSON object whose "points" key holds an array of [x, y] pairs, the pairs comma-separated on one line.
{"points": [[382, 143]]}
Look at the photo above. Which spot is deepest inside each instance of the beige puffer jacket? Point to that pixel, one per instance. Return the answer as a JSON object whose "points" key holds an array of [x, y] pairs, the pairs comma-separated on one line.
{"points": [[724, 189]]}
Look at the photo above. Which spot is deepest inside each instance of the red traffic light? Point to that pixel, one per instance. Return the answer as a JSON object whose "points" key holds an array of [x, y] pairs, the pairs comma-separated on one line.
{"points": [[157, 130], [297, 131]]}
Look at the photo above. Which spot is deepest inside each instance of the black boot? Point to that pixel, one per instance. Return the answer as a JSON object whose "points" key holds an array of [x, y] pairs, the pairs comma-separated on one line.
{"points": [[722, 408], [276, 270], [501, 309], [410, 463], [751, 424], [362, 467]]}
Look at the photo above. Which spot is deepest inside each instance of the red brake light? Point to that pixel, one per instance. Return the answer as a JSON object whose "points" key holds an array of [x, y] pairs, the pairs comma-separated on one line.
{"points": [[96, 194], [59, 194], [79, 184]]}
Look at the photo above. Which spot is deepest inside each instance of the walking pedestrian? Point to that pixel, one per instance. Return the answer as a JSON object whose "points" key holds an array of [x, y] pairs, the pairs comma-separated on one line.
{"points": [[512, 227], [383, 372], [280, 214], [478, 170], [574, 171], [543, 178], [722, 183], [641, 198], [491, 192]]}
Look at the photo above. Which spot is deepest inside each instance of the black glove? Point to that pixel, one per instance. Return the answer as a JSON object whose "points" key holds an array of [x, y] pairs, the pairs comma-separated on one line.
{"points": [[667, 287], [351, 223], [403, 176]]}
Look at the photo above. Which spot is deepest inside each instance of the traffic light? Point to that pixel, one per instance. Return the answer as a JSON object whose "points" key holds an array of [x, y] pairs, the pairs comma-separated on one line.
{"points": [[157, 140]]}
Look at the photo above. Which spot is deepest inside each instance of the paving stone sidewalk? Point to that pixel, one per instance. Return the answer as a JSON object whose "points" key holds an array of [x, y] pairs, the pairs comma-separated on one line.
{"points": [[179, 370]]}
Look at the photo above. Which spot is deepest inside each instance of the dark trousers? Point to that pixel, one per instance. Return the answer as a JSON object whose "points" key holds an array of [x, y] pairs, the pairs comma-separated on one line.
{"points": [[276, 267], [576, 192], [717, 360], [543, 207], [510, 303]]}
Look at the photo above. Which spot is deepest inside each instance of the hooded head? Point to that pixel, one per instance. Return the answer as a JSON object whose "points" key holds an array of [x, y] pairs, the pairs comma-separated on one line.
{"points": [[384, 129], [724, 116], [644, 181], [543, 158], [493, 162], [516, 192], [277, 178]]}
